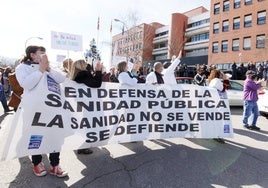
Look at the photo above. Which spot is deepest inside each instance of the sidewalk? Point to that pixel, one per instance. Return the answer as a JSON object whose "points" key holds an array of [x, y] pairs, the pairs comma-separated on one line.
{"points": [[170, 163]]}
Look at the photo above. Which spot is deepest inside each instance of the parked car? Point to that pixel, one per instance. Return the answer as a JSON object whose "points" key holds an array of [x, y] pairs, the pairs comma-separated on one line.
{"points": [[263, 102], [235, 93], [185, 80]]}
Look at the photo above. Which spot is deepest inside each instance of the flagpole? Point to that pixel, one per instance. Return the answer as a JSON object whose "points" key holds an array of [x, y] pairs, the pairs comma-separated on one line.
{"points": [[98, 28], [111, 44]]}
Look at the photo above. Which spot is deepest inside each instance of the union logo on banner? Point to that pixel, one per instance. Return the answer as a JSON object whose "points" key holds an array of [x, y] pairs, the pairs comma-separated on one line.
{"points": [[35, 141], [52, 85]]}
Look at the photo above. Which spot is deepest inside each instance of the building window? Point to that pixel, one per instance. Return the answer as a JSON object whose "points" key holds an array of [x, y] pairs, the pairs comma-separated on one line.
{"points": [[217, 8], [235, 46], [248, 2], [198, 23], [260, 41], [199, 37], [261, 18], [225, 25], [215, 47], [236, 24], [226, 6], [204, 36], [247, 43], [216, 28], [224, 46], [248, 20], [237, 3]]}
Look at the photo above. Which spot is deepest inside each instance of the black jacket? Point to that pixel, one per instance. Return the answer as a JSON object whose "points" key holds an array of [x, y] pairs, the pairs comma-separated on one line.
{"points": [[87, 78]]}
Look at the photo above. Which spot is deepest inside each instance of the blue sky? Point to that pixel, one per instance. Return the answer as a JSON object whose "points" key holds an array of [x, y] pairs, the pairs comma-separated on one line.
{"points": [[22, 19]]}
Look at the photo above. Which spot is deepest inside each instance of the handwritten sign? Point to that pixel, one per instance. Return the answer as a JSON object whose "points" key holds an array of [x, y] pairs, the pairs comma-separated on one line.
{"points": [[66, 41]]}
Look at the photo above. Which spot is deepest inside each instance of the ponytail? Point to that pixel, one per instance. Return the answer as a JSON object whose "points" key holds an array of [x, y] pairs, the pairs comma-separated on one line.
{"points": [[29, 50]]}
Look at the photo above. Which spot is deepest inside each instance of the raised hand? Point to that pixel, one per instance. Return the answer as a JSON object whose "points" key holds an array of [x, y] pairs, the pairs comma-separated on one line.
{"points": [[44, 63], [98, 66]]}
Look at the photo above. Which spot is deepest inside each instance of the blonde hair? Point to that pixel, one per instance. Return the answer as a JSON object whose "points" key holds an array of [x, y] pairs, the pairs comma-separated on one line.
{"points": [[78, 66], [67, 65], [215, 73], [121, 66]]}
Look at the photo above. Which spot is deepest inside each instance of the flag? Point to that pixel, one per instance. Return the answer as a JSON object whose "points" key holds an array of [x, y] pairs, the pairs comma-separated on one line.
{"points": [[123, 31], [111, 27], [98, 24]]}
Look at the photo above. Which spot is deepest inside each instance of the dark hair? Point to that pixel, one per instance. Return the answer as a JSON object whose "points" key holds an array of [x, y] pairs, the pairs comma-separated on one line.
{"points": [[31, 49], [166, 65]]}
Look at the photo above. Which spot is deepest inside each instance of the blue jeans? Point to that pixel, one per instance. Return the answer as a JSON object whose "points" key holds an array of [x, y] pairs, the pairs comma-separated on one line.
{"points": [[4, 100], [250, 108]]}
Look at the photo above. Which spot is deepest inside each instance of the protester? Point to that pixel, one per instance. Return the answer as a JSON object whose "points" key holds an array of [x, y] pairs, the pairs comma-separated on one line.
{"points": [[6, 85], [81, 72], [3, 99], [156, 76], [105, 75], [260, 70], [113, 75], [241, 72], [215, 81], [29, 73], [234, 71], [200, 77], [250, 100], [124, 76], [66, 66], [169, 70]]}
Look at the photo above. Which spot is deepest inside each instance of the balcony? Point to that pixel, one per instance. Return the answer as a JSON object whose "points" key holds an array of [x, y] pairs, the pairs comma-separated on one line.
{"points": [[196, 45], [198, 53], [160, 39], [160, 50], [197, 30]]}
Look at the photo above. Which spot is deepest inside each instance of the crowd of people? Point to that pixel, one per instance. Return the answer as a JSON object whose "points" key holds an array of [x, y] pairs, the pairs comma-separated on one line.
{"points": [[35, 63]]}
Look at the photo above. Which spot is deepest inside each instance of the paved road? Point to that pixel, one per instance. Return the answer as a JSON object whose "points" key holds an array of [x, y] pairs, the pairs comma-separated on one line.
{"points": [[171, 163]]}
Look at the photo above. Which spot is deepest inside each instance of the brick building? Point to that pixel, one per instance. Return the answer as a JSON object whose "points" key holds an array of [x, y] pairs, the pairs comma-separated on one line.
{"points": [[158, 42], [233, 31], [238, 32], [136, 42]]}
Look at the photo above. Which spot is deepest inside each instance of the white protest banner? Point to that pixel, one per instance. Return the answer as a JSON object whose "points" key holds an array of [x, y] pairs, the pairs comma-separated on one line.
{"points": [[55, 117], [66, 41]]}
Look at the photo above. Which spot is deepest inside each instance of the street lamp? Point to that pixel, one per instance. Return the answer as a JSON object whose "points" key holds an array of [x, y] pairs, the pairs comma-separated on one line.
{"points": [[40, 38], [124, 24]]}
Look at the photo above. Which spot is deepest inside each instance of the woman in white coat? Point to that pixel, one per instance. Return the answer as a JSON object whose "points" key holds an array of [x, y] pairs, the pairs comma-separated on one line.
{"points": [[29, 73]]}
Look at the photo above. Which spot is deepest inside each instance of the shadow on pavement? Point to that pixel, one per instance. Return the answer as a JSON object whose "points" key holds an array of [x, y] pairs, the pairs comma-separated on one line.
{"points": [[253, 134], [26, 177], [229, 165], [209, 165]]}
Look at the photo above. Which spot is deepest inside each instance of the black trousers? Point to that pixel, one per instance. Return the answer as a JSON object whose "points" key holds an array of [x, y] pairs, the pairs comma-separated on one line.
{"points": [[54, 159]]}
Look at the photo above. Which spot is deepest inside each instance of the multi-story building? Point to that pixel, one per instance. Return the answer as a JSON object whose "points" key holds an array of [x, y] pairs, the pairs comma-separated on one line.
{"points": [[188, 31], [136, 42], [156, 42], [197, 34], [238, 32]]}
